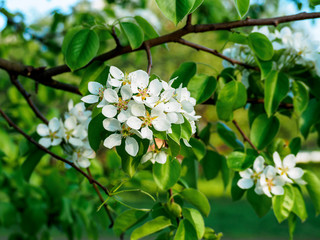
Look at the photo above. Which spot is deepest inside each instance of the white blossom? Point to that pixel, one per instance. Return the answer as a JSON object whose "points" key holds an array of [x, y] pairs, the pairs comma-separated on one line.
{"points": [[154, 156], [96, 89], [270, 182], [52, 134]]}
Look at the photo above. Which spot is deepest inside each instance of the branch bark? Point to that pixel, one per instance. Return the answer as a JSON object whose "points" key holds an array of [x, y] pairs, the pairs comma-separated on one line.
{"points": [[244, 136]]}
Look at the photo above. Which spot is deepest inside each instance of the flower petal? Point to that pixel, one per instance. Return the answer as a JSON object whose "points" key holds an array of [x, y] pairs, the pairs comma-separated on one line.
{"points": [[75, 142], [124, 115], [94, 87], [295, 173], [161, 124], [246, 173], [161, 157], [126, 92], [46, 142], [270, 172], [266, 191], [83, 162], [138, 109], [109, 111], [289, 161], [111, 96], [258, 164], [146, 157], [42, 130], [146, 133], [116, 72], [54, 124], [131, 146], [245, 183], [56, 141], [70, 123], [187, 106], [111, 124], [139, 79], [155, 87], [172, 107], [134, 122], [102, 103], [277, 190], [112, 140], [277, 160], [90, 99]]}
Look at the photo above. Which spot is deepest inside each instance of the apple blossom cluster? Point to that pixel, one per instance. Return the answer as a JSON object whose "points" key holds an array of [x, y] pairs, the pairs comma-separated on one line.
{"points": [[296, 48], [72, 134], [136, 106], [270, 179]]}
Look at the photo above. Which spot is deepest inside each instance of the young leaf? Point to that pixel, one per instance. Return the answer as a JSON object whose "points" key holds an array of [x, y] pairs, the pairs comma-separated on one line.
{"points": [[30, 163], [264, 130], [242, 7], [260, 203], [133, 33], [198, 148], [300, 96], [276, 89], [240, 161], [232, 96], [175, 10], [176, 133], [67, 38], [186, 130], [283, 204], [185, 231], [261, 45], [189, 172], [149, 31], [82, 48], [211, 164], [201, 87], [166, 175], [184, 73], [309, 117], [313, 183], [197, 199], [196, 5], [196, 219], [128, 219], [150, 227], [295, 145], [299, 207], [228, 136]]}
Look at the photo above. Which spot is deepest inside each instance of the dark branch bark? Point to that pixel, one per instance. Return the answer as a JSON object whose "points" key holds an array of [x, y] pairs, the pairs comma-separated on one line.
{"points": [[149, 57], [30, 139], [27, 96], [244, 136]]}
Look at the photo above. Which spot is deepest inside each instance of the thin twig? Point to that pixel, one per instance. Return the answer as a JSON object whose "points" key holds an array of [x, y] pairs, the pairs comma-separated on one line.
{"points": [[27, 96], [115, 37], [30, 139], [101, 199], [189, 20], [216, 53], [244, 136], [149, 57]]}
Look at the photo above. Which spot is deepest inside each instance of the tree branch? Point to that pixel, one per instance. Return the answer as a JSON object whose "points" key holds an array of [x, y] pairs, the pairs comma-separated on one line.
{"points": [[245, 138], [115, 37], [149, 57], [30, 139], [27, 96]]}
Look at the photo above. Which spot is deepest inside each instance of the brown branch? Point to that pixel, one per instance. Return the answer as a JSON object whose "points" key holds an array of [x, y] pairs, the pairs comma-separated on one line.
{"points": [[105, 205], [30, 139], [149, 57], [189, 20], [244, 136], [115, 37], [27, 96], [216, 53]]}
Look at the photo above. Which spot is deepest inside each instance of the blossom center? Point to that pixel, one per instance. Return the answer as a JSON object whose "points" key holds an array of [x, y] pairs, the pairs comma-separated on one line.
{"points": [[126, 79], [147, 120], [100, 93], [270, 183], [122, 104], [143, 93], [126, 131]]}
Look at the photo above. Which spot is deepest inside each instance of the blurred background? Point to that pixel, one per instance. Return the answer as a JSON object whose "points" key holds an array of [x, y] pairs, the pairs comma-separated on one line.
{"points": [[32, 32]]}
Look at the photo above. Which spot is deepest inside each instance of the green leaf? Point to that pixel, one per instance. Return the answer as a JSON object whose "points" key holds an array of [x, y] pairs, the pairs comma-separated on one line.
{"points": [[198, 148], [186, 130], [300, 96], [240, 161], [276, 89], [237, 37], [299, 207], [189, 171], [95, 72], [260, 203], [236, 192], [292, 223], [228, 136], [8, 214], [242, 7], [205, 133], [128, 219], [175, 10], [176, 133], [133, 33], [201, 87], [211, 164], [295, 145], [264, 130], [82, 48], [30, 163], [184, 73], [265, 67], [283, 204], [67, 38], [166, 175], [150, 227], [185, 231], [196, 5], [33, 218], [197, 199], [96, 131], [232, 96], [309, 117], [196, 219], [148, 29], [313, 183], [261, 46], [173, 147]]}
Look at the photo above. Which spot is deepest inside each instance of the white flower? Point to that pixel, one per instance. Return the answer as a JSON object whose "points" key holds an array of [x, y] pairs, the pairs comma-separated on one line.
{"points": [[73, 133], [96, 89], [249, 177], [286, 168], [116, 103], [52, 134], [270, 182], [154, 156], [115, 139], [82, 155], [79, 111], [117, 78]]}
